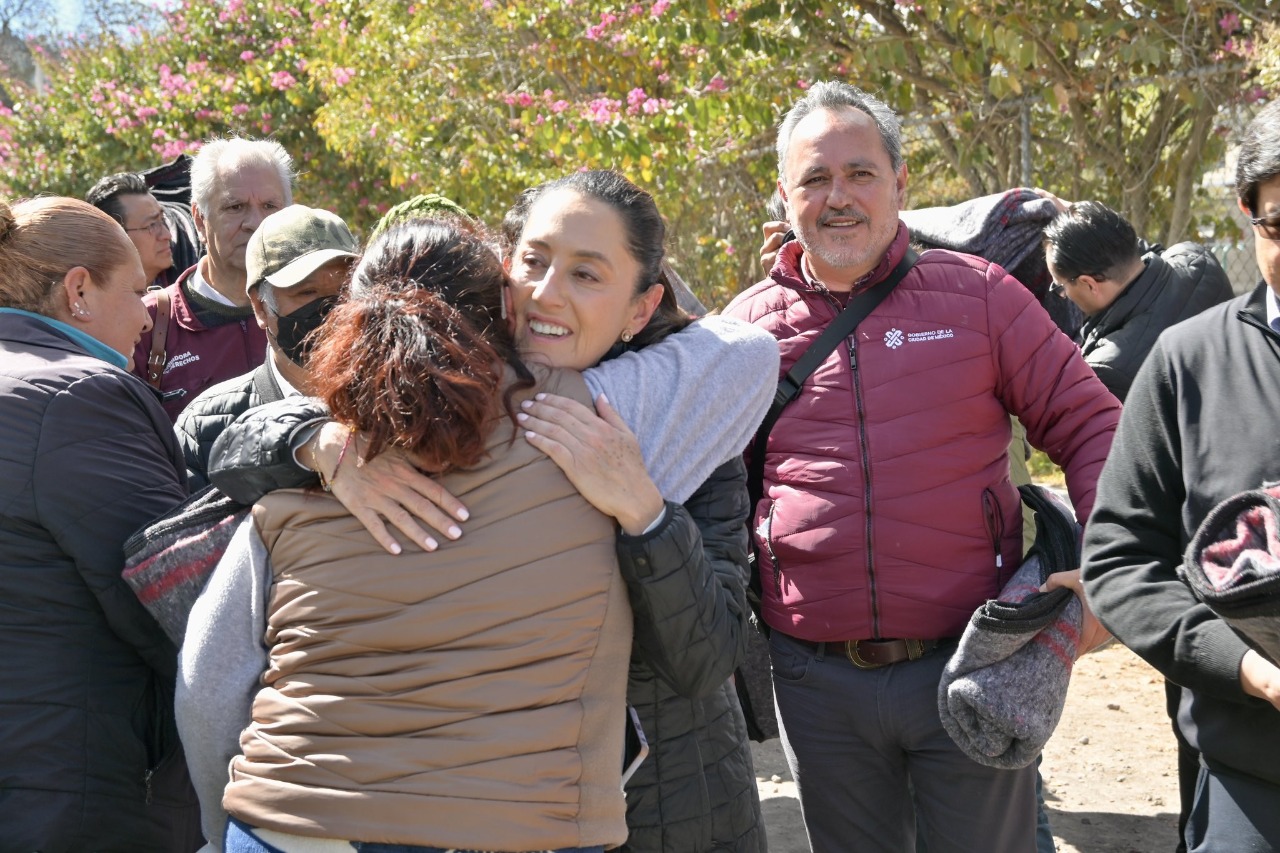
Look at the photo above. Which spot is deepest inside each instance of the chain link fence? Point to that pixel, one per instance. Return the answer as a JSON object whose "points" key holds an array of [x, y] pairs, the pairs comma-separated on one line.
{"points": [[1238, 260]]}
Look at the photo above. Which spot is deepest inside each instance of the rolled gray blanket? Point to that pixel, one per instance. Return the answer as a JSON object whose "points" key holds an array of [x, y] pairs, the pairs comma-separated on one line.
{"points": [[1233, 566], [1003, 691], [168, 562], [1005, 228]]}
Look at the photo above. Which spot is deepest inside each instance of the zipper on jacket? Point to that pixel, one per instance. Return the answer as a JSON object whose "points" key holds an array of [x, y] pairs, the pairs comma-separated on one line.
{"points": [[768, 546], [995, 527], [146, 782], [866, 482]]}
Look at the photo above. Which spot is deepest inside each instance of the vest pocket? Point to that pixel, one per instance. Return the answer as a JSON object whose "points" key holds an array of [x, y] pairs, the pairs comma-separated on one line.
{"points": [[993, 517], [766, 538]]}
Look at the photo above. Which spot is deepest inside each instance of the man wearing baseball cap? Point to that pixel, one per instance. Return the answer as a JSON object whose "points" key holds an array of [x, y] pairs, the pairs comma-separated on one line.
{"points": [[297, 264]]}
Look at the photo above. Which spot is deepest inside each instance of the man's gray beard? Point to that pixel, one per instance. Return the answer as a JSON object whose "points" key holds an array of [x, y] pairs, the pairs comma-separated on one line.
{"points": [[839, 259], [848, 258]]}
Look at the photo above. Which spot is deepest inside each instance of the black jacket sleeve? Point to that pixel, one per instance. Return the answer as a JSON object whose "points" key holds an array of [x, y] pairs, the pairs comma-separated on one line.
{"points": [[103, 469], [1133, 545], [194, 452], [254, 455], [687, 584]]}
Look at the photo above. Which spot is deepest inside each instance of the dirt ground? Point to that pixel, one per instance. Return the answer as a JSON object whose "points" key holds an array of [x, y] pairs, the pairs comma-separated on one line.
{"points": [[1110, 780]]}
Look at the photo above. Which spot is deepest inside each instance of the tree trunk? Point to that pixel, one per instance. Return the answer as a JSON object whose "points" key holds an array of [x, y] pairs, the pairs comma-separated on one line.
{"points": [[1189, 172]]}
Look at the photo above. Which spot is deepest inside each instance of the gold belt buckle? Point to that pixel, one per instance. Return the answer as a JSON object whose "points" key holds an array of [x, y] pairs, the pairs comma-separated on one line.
{"points": [[851, 650]]}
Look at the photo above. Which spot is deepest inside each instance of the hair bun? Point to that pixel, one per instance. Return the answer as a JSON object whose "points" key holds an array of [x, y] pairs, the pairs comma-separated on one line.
{"points": [[7, 220]]}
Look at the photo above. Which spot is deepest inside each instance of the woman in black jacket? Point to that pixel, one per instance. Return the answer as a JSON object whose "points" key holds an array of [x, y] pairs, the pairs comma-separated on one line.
{"points": [[686, 576], [90, 758]]}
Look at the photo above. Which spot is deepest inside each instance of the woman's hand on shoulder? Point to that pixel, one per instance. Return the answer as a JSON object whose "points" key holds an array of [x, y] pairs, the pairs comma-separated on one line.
{"points": [[598, 453], [387, 489]]}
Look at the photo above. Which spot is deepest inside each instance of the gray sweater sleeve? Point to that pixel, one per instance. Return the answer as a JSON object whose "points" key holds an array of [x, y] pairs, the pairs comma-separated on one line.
{"points": [[693, 399], [219, 670]]}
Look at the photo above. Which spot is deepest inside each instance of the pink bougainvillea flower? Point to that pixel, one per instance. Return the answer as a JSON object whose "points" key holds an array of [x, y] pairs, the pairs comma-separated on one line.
{"points": [[247, 56], [283, 80], [342, 75], [717, 84], [1229, 22], [601, 110]]}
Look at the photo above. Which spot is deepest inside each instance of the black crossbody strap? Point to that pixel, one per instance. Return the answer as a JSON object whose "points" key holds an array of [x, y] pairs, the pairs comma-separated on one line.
{"points": [[789, 386]]}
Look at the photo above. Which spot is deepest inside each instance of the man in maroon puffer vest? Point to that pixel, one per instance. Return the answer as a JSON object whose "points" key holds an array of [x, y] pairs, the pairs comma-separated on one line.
{"points": [[888, 516]]}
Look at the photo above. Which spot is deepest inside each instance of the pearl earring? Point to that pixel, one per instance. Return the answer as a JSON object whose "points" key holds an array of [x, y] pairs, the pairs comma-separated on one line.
{"points": [[627, 335]]}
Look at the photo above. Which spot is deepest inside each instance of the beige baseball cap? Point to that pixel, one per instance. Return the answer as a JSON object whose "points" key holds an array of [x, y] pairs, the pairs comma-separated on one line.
{"points": [[292, 243]]}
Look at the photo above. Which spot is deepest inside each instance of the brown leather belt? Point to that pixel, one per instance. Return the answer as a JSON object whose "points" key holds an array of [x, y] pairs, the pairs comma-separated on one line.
{"points": [[873, 654]]}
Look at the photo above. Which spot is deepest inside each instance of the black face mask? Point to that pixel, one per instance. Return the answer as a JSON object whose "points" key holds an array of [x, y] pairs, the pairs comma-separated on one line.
{"points": [[293, 331]]}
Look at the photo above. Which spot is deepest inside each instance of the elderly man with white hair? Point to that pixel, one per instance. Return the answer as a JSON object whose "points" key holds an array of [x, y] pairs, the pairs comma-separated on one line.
{"points": [[204, 328]]}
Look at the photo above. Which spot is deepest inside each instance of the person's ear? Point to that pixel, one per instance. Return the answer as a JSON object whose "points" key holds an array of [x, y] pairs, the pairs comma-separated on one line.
{"points": [[1089, 282], [76, 294], [645, 305], [509, 308], [1244, 208], [782, 194], [200, 222], [900, 182], [259, 308]]}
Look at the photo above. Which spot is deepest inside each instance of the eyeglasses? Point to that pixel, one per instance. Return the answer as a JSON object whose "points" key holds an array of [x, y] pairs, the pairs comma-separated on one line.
{"points": [[1268, 225], [157, 228], [1059, 288]]}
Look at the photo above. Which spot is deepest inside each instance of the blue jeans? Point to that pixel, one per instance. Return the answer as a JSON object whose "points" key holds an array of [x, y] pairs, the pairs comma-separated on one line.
{"points": [[240, 839]]}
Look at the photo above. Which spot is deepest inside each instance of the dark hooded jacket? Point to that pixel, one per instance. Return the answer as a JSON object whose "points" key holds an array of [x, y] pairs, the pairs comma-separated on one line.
{"points": [[1176, 285], [90, 757]]}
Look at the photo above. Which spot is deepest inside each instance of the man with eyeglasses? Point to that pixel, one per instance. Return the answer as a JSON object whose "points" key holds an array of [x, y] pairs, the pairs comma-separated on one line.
{"points": [[126, 199], [1199, 425], [1128, 297]]}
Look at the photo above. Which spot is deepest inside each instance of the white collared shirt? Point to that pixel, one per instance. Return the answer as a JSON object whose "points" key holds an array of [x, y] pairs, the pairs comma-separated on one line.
{"points": [[199, 284]]}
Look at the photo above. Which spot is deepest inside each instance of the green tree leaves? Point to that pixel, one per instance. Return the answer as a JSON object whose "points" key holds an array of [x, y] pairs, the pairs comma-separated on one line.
{"points": [[478, 99]]}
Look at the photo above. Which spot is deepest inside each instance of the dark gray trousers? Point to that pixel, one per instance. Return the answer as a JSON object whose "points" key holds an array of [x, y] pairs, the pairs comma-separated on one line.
{"points": [[854, 737], [1233, 812]]}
